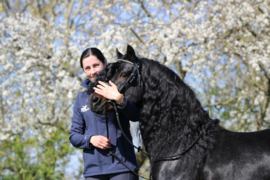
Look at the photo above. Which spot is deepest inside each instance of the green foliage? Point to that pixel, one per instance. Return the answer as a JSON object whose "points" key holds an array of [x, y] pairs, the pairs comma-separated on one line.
{"points": [[29, 158]]}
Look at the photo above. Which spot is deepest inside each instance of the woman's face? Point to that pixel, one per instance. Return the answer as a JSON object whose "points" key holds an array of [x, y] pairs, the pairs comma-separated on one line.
{"points": [[92, 66]]}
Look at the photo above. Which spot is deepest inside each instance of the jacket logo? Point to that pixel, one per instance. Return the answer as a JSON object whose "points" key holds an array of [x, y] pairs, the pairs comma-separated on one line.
{"points": [[84, 108]]}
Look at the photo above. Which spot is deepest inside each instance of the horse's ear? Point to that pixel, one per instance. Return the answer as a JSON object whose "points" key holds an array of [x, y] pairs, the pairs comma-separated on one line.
{"points": [[119, 55], [131, 54]]}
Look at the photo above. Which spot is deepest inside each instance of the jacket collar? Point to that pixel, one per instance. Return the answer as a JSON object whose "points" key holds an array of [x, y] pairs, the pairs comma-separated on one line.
{"points": [[86, 83]]}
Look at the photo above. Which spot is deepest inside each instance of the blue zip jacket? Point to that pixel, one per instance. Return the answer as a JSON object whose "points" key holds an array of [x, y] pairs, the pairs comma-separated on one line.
{"points": [[86, 124]]}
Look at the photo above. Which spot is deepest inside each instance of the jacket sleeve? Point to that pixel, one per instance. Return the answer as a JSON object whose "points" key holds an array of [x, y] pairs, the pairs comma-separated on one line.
{"points": [[129, 110], [77, 137]]}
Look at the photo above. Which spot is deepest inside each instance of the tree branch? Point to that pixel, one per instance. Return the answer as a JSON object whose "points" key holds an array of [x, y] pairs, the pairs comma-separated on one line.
{"points": [[9, 156], [137, 36], [229, 100], [53, 124], [145, 10], [264, 71]]}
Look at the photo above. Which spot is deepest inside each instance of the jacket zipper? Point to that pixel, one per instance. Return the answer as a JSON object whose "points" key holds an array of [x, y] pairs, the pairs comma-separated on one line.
{"points": [[98, 154]]}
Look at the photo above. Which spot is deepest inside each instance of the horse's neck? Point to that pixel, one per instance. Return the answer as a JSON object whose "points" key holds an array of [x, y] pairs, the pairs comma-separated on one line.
{"points": [[167, 111]]}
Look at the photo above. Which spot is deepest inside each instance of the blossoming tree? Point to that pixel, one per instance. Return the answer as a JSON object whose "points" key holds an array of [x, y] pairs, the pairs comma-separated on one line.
{"points": [[220, 48]]}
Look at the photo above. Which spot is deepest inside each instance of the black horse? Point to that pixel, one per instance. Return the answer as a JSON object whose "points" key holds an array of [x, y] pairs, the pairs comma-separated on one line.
{"points": [[172, 121]]}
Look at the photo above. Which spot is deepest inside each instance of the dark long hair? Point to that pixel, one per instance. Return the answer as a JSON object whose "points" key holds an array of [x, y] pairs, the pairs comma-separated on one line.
{"points": [[94, 52], [172, 118]]}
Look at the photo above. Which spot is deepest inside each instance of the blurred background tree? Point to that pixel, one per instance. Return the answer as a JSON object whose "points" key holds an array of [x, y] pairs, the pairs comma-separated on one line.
{"points": [[220, 48]]}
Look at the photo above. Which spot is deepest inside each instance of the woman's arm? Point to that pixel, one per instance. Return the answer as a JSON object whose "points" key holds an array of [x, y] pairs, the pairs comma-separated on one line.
{"points": [[77, 137], [129, 110]]}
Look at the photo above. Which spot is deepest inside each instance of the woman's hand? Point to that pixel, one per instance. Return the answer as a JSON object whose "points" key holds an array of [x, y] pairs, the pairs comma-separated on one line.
{"points": [[109, 92], [101, 142]]}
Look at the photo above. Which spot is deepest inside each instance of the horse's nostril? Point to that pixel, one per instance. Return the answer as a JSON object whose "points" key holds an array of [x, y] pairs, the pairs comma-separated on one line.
{"points": [[96, 99]]}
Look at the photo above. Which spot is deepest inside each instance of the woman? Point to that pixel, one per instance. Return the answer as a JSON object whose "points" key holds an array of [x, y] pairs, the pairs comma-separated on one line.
{"points": [[88, 130]]}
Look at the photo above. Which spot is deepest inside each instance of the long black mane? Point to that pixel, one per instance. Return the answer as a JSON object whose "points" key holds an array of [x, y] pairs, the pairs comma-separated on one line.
{"points": [[172, 118]]}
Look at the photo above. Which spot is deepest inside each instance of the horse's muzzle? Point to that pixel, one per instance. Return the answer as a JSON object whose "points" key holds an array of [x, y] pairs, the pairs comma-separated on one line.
{"points": [[99, 104]]}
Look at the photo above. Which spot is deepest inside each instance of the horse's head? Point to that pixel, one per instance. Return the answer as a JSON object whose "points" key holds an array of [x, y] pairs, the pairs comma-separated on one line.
{"points": [[124, 74]]}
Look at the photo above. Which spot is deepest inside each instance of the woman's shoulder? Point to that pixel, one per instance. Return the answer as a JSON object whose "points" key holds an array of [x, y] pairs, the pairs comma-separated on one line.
{"points": [[83, 95]]}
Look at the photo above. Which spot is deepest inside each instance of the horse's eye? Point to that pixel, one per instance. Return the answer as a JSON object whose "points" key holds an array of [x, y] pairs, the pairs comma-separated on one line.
{"points": [[124, 74]]}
